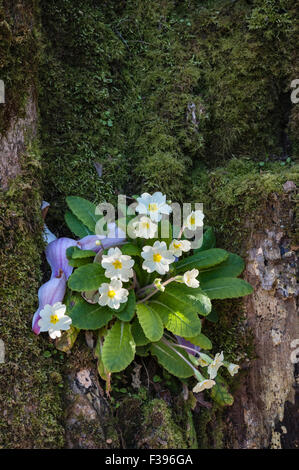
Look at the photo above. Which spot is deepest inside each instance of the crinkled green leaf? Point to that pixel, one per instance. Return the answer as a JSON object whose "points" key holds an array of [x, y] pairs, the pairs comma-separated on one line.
{"points": [[119, 347], [201, 260], [208, 240], [87, 316], [138, 334], [87, 277], [76, 226], [231, 267], [200, 340], [130, 249], [171, 361], [128, 312], [226, 288], [220, 393], [84, 210], [74, 252], [150, 321]]}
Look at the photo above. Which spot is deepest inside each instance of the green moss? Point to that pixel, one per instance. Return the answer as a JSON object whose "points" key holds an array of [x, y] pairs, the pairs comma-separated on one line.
{"points": [[19, 43], [30, 399]]}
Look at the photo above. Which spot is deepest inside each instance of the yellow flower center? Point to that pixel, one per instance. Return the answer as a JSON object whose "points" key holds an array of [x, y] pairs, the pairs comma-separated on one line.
{"points": [[117, 264], [153, 207], [54, 319], [177, 245], [192, 220], [157, 257], [146, 225], [111, 294]]}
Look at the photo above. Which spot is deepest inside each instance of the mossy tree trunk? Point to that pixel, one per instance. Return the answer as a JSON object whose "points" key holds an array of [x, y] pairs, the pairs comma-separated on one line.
{"points": [[146, 91]]}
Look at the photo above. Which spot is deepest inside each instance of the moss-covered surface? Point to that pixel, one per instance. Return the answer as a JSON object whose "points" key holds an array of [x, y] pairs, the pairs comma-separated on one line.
{"points": [[30, 394], [118, 82], [19, 34], [30, 398]]}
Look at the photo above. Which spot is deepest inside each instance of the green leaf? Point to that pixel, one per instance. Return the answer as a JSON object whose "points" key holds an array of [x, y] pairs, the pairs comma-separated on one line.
{"points": [[130, 249], [76, 263], [201, 260], [75, 226], [200, 340], [171, 361], [150, 321], [231, 267], [178, 309], [213, 316], [129, 310], [74, 252], [84, 210], [143, 351], [87, 277], [138, 334], [220, 393], [226, 288], [87, 316], [119, 347], [209, 240]]}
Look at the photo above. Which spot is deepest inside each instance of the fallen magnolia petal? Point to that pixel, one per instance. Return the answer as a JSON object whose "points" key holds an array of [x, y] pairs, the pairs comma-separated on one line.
{"points": [[184, 342], [56, 256], [48, 294]]}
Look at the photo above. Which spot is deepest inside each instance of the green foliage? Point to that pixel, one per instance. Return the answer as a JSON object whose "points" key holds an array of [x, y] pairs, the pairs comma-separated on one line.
{"points": [[201, 340], [226, 288], [202, 260], [171, 361], [75, 226], [84, 210], [87, 278], [87, 316], [150, 322], [119, 347], [128, 311]]}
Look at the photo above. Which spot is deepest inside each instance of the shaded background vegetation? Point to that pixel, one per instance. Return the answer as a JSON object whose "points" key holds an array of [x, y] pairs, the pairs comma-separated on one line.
{"points": [[117, 82]]}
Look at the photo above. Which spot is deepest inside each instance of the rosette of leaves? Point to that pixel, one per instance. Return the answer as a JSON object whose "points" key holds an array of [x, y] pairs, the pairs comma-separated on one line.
{"points": [[143, 327]]}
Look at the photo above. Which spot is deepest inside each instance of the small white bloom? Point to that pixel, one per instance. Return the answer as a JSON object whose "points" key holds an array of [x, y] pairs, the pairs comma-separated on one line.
{"points": [[194, 220], [157, 258], [233, 368], [113, 294], [117, 265], [204, 360], [154, 205], [214, 366], [53, 319], [144, 228], [205, 384], [190, 278], [177, 247]]}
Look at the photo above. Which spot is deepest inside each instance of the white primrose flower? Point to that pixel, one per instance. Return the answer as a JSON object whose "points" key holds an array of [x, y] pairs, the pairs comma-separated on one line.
{"points": [[194, 220], [53, 319], [157, 258], [233, 368], [204, 360], [154, 205], [204, 384], [190, 278], [117, 265], [144, 228], [113, 294], [177, 247], [214, 366]]}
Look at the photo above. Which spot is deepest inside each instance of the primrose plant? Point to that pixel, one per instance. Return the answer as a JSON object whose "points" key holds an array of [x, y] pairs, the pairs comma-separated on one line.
{"points": [[141, 293]]}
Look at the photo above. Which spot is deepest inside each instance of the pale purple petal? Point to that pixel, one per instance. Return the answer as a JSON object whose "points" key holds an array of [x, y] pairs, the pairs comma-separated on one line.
{"points": [[89, 243], [115, 236], [56, 256], [48, 294], [184, 342]]}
